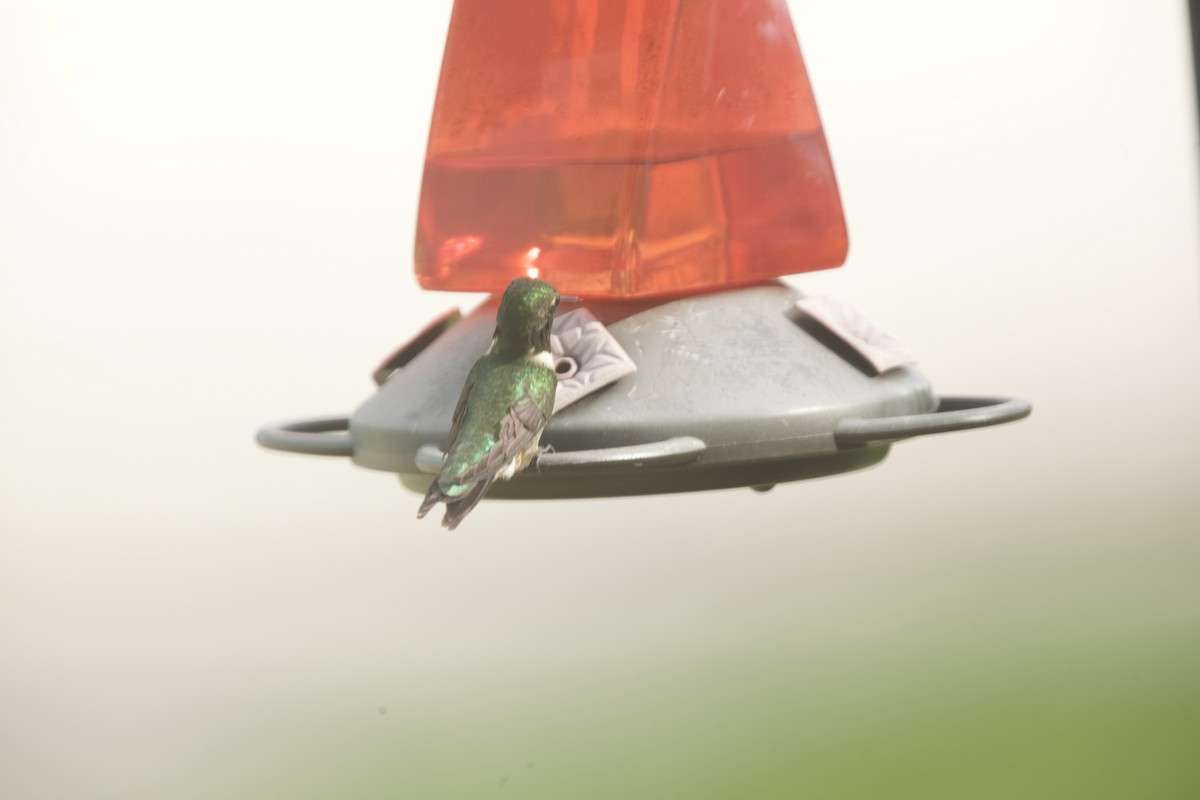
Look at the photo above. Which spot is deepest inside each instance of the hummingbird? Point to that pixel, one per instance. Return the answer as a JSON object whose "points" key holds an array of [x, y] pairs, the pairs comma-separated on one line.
{"points": [[505, 403]]}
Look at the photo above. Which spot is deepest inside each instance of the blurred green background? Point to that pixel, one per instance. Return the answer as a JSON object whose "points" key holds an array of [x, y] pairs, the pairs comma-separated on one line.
{"points": [[205, 225]]}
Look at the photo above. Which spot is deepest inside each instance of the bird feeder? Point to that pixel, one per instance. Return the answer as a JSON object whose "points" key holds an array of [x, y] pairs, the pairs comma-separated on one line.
{"points": [[663, 160]]}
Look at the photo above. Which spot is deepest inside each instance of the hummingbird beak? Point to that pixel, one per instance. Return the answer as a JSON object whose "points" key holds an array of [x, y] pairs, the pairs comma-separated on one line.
{"points": [[568, 298]]}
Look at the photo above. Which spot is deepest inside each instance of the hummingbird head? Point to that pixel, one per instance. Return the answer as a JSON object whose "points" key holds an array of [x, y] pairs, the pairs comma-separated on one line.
{"points": [[526, 311]]}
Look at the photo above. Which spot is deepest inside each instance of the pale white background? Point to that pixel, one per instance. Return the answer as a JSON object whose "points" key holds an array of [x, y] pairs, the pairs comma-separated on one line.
{"points": [[206, 219]]}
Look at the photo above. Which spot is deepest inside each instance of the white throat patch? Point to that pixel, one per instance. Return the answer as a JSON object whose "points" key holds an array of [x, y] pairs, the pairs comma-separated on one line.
{"points": [[542, 359]]}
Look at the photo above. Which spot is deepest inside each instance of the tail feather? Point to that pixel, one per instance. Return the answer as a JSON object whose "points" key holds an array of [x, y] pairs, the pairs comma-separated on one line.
{"points": [[459, 507], [432, 498]]}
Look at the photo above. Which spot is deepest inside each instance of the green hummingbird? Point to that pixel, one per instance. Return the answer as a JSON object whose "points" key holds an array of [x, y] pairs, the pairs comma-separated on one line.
{"points": [[505, 403]]}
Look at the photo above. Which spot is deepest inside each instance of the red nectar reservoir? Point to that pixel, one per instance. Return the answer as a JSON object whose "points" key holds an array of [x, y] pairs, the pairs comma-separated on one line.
{"points": [[624, 148]]}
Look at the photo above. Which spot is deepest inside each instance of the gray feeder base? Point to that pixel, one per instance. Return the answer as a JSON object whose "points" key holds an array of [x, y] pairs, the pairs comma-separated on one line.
{"points": [[734, 388]]}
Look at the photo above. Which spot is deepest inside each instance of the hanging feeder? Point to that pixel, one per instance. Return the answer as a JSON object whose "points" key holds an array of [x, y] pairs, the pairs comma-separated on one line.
{"points": [[663, 160]]}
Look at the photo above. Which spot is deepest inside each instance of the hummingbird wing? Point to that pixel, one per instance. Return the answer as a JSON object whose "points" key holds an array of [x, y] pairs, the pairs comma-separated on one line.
{"points": [[435, 494], [468, 472], [460, 410], [519, 429]]}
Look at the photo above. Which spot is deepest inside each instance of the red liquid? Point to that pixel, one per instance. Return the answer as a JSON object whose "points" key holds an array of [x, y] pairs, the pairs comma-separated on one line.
{"points": [[624, 148], [627, 229]]}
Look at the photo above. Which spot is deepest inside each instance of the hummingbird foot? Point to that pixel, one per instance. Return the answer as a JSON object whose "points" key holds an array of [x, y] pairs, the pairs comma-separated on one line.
{"points": [[537, 462]]}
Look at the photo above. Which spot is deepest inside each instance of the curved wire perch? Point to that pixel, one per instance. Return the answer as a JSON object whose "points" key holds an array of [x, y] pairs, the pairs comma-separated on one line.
{"points": [[677, 450], [330, 436], [954, 413], [317, 436]]}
